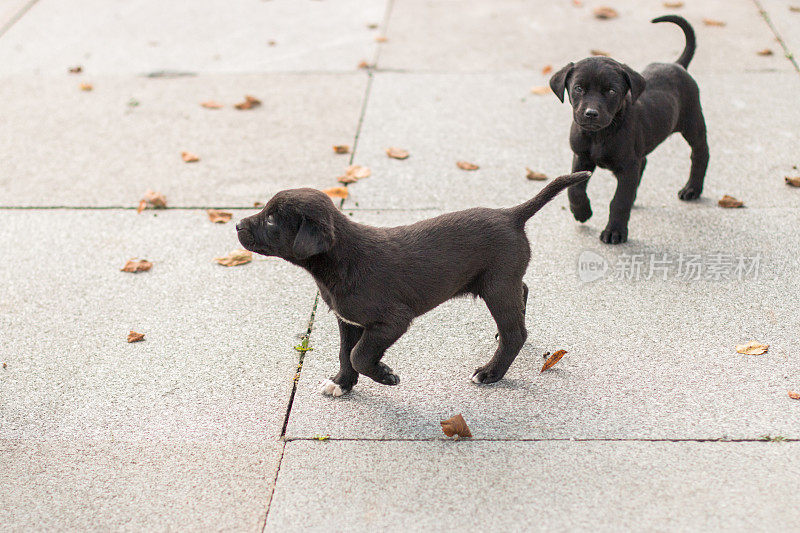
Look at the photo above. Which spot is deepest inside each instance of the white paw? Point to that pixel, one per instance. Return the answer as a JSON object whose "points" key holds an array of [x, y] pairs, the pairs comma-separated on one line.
{"points": [[329, 388], [476, 379]]}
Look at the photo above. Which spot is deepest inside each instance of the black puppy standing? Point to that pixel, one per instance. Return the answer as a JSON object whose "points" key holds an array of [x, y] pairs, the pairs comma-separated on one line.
{"points": [[377, 280], [620, 116]]}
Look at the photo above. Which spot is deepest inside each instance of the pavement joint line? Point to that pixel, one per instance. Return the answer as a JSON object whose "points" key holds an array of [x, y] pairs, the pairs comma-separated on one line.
{"points": [[786, 51], [17, 16], [500, 439], [274, 485]]}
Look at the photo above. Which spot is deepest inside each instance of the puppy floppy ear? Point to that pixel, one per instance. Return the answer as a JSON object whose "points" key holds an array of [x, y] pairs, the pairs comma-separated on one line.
{"points": [[636, 81], [312, 238], [558, 82]]}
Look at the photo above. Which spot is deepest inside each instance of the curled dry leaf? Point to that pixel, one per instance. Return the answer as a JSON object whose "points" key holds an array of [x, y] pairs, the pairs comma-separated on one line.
{"points": [[353, 173], [381, 39], [456, 426], [235, 258], [792, 181], [142, 206], [86, 86], [596, 52], [540, 89], [765, 52], [189, 157], [547, 69], [77, 69], [135, 337], [712, 22], [794, 395], [211, 104], [553, 359], [337, 192], [465, 165], [219, 217], [341, 149], [752, 348], [397, 153], [535, 176], [153, 199], [605, 12], [673, 5], [249, 103], [730, 201], [137, 265], [794, 9], [363, 64]]}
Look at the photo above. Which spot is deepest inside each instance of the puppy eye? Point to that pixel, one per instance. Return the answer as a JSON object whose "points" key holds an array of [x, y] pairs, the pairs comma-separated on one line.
{"points": [[270, 220], [612, 92], [578, 89]]}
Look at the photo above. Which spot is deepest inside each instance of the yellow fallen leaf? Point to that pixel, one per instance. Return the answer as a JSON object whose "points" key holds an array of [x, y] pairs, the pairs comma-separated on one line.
{"points": [[86, 86], [381, 39], [673, 5], [765, 52], [553, 359], [135, 337], [219, 217], [153, 199], [465, 165], [456, 426], [730, 201], [547, 69], [540, 89], [605, 13], [211, 104], [249, 103], [535, 176], [137, 265], [341, 149], [712, 22], [794, 395], [189, 157], [793, 181], [596, 52], [235, 258], [397, 153], [353, 173], [752, 348], [337, 192]]}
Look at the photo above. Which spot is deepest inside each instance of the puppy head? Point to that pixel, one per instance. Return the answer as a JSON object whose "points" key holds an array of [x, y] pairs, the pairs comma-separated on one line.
{"points": [[294, 225], [597, 88]]}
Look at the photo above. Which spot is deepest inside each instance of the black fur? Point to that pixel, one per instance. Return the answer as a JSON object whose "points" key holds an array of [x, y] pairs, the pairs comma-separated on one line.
{"points": [[377, 280], [620, 116]]}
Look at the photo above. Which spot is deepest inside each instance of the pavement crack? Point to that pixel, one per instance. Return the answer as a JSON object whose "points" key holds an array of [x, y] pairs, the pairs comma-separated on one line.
{"points": [[786, 51], [15, 18]]}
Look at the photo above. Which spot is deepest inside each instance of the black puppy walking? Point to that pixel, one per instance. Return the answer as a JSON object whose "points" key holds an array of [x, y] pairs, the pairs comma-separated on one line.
{"points": [[377, 280], [620, 116]]}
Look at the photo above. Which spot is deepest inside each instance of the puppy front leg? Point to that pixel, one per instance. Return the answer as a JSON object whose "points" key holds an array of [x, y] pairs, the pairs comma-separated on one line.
{"points": [[343, 382], [367, 354], [616, 231], [578, 199]]}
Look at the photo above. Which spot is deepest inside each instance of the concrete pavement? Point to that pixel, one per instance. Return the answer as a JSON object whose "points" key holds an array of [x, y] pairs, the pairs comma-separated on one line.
{"points": [[651, 421]]}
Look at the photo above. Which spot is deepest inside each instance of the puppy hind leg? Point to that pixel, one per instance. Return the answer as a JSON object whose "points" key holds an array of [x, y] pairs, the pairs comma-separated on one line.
{"points": [[367, 354], [524, 305], [343, 382], [510, 319], [697, 140]]}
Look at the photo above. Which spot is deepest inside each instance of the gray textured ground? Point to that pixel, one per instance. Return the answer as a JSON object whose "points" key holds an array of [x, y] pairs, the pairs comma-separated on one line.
{"points": [[200, 426]]}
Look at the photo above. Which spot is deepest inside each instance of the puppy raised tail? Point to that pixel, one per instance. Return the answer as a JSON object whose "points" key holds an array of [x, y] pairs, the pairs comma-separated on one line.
{"points": [[523, 212], [691, 43]]}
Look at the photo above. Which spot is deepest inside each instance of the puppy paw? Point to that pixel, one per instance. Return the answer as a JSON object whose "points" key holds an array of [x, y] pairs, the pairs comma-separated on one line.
{"points": [[484, 375], [613, 236], [582, 212], [331, 388], [386, 375], [689, 193]]}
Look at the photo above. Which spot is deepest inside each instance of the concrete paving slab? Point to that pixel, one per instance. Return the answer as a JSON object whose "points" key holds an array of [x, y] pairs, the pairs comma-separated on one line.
{"points": [[787, 23], [66, 147], [217, 361], [11, 11], [508, 35], [152, 485], [649, 358], [494, 121], [540, 486], [144, 36]]}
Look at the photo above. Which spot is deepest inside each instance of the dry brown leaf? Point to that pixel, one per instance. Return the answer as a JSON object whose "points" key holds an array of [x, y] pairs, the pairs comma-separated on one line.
{"points": [[596, 52], [135, 337], [397, 153], [553, 359], [235, 258], [137, 265], [153, 199], [794, 395], [142, 206], [456, 426], [211, 104], [712, 22], [189, 157], [219, 217], [272, 42], [353, 173], [381, 39], [465, 165], [604, 13], [86, 86], [249, 103], [794, 9], [765, 52], [363, 64], [793, 181], [540, 89], [258, 204], [730, 201], [577, 3], [337, 192], [341, 149], [752, 348], [673, 5], [547, 69], [535, 176], [372, 26], [5, 365], [77, 69]]}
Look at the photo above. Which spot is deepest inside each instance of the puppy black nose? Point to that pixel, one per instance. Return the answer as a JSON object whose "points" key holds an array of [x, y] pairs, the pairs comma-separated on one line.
{"points": [[239, 226], [591, 113]]}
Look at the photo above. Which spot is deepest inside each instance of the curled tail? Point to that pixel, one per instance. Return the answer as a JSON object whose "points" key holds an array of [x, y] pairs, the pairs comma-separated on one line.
{"points": [[691, 44], [523, 212]]}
